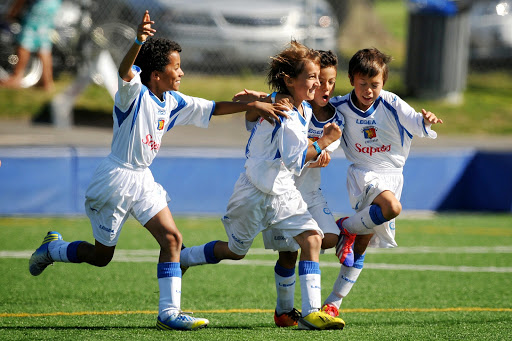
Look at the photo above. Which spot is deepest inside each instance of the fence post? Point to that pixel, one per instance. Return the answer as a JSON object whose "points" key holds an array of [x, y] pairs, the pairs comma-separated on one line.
{"points": [[437, 49]]}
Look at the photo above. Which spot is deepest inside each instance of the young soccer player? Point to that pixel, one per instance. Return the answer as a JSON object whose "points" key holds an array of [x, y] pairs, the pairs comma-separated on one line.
{"points": [[146, 106], [265, 196], [308, 183], [377, 136]]}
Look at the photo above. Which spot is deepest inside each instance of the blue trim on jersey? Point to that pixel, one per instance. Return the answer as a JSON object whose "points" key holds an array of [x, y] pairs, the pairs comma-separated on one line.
{"points": [[319, 124], [276, 128], [71, 251], [307, 267], [368, 112], [283, 272], [181, 104], [358, 260], [424, 128], [278, 155], [122, 115], [401, 128], [168, 269], [157, 100], [143, 89], [338, 103], [376, 215], [213, 109], [301, 118], [249, 141]]}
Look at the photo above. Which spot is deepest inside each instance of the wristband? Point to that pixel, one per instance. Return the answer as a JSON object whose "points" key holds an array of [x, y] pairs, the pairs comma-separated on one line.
{"points": [[138, 42], [317, 147]]}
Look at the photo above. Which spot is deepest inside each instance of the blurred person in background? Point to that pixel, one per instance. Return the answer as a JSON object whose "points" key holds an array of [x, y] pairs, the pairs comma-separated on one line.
{"points": [[37, 21]]}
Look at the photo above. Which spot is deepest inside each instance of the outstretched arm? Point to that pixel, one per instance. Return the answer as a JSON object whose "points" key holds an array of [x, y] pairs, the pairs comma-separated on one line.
{"points": [[144, 30], [266, 110]]}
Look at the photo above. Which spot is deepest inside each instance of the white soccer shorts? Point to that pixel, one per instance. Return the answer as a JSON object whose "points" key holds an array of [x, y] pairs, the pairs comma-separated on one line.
{"points": [[116, 192], [363, 186], [250, 211]]}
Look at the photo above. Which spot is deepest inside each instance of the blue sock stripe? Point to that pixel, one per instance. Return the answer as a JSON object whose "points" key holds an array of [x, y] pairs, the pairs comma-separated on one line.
{"points": [[208, 252], [283, 272], [71, 251], [307, 267], [376, 215], [168, 269], [358, 260]]}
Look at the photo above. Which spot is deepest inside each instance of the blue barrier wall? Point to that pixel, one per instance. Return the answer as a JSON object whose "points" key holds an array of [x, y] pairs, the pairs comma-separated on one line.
{"points": [[52, 181]]}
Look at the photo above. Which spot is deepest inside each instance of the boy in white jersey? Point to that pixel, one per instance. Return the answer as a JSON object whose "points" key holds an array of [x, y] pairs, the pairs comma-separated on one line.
{"points": [[308, 183], [146, 106], [265, 196], [377, 135]]}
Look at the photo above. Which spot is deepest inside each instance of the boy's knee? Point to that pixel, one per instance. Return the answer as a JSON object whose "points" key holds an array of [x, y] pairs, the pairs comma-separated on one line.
{"points": [[395, 209], [171, 240], [330, 240], [392, 209]]}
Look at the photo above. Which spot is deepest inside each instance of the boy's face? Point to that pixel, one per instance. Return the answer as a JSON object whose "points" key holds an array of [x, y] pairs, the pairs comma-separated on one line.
{"points": [[170, 78], [327, 84], [304, 85], [367, 89]]}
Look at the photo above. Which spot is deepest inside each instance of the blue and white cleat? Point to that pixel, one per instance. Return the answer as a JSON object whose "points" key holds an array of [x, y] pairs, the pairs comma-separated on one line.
{"points": [[41, 257], [181, 321]]}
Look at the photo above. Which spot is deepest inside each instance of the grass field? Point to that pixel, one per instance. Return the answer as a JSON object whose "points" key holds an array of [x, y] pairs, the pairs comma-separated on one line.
{"points": [[449, 279]]}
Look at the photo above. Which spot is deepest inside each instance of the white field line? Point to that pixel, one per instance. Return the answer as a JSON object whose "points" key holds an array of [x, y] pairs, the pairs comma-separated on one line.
{"points": [[123, 255]]}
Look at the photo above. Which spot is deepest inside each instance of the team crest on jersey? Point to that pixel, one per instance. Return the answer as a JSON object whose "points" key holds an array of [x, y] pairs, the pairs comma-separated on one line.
{"points": [[161, 124], [369, 132]]}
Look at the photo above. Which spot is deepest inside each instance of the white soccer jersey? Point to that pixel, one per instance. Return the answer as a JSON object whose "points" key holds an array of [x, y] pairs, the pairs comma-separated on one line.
{"points": [[381, 136], [141, 119], [310, 178], [275, 153]]}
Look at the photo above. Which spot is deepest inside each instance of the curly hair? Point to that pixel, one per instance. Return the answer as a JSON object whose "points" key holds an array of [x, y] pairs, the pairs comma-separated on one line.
{"points": [[369, 62], [328, 59], [154, 56], [289, 62]]}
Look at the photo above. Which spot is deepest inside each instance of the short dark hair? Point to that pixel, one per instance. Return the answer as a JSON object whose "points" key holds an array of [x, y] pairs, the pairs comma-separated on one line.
{"points": [[328, 59], [154, 56], [289, 62], [369, 62]]}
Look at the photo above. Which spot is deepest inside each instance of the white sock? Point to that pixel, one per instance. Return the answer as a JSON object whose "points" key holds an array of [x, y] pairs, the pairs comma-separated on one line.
{"points": [[347, 277], [193, 255], [198, 255], [169, 283], [58, 250], [285, 288], [310, 285], [365, 220]]}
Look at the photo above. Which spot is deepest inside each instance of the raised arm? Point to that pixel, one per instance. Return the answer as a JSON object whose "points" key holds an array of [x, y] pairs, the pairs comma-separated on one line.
{"points": [[144, 30]]}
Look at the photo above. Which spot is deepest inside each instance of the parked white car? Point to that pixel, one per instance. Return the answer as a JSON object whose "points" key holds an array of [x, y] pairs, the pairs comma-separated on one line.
{"points": [[240, 32], [491, 30]]}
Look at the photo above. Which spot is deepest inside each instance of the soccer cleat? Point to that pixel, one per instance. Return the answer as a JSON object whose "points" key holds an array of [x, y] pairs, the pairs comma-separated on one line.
{"points": [[320, 320], [289, 319], [40, 259], [330, 309], [344, 248], [181, 321]]}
